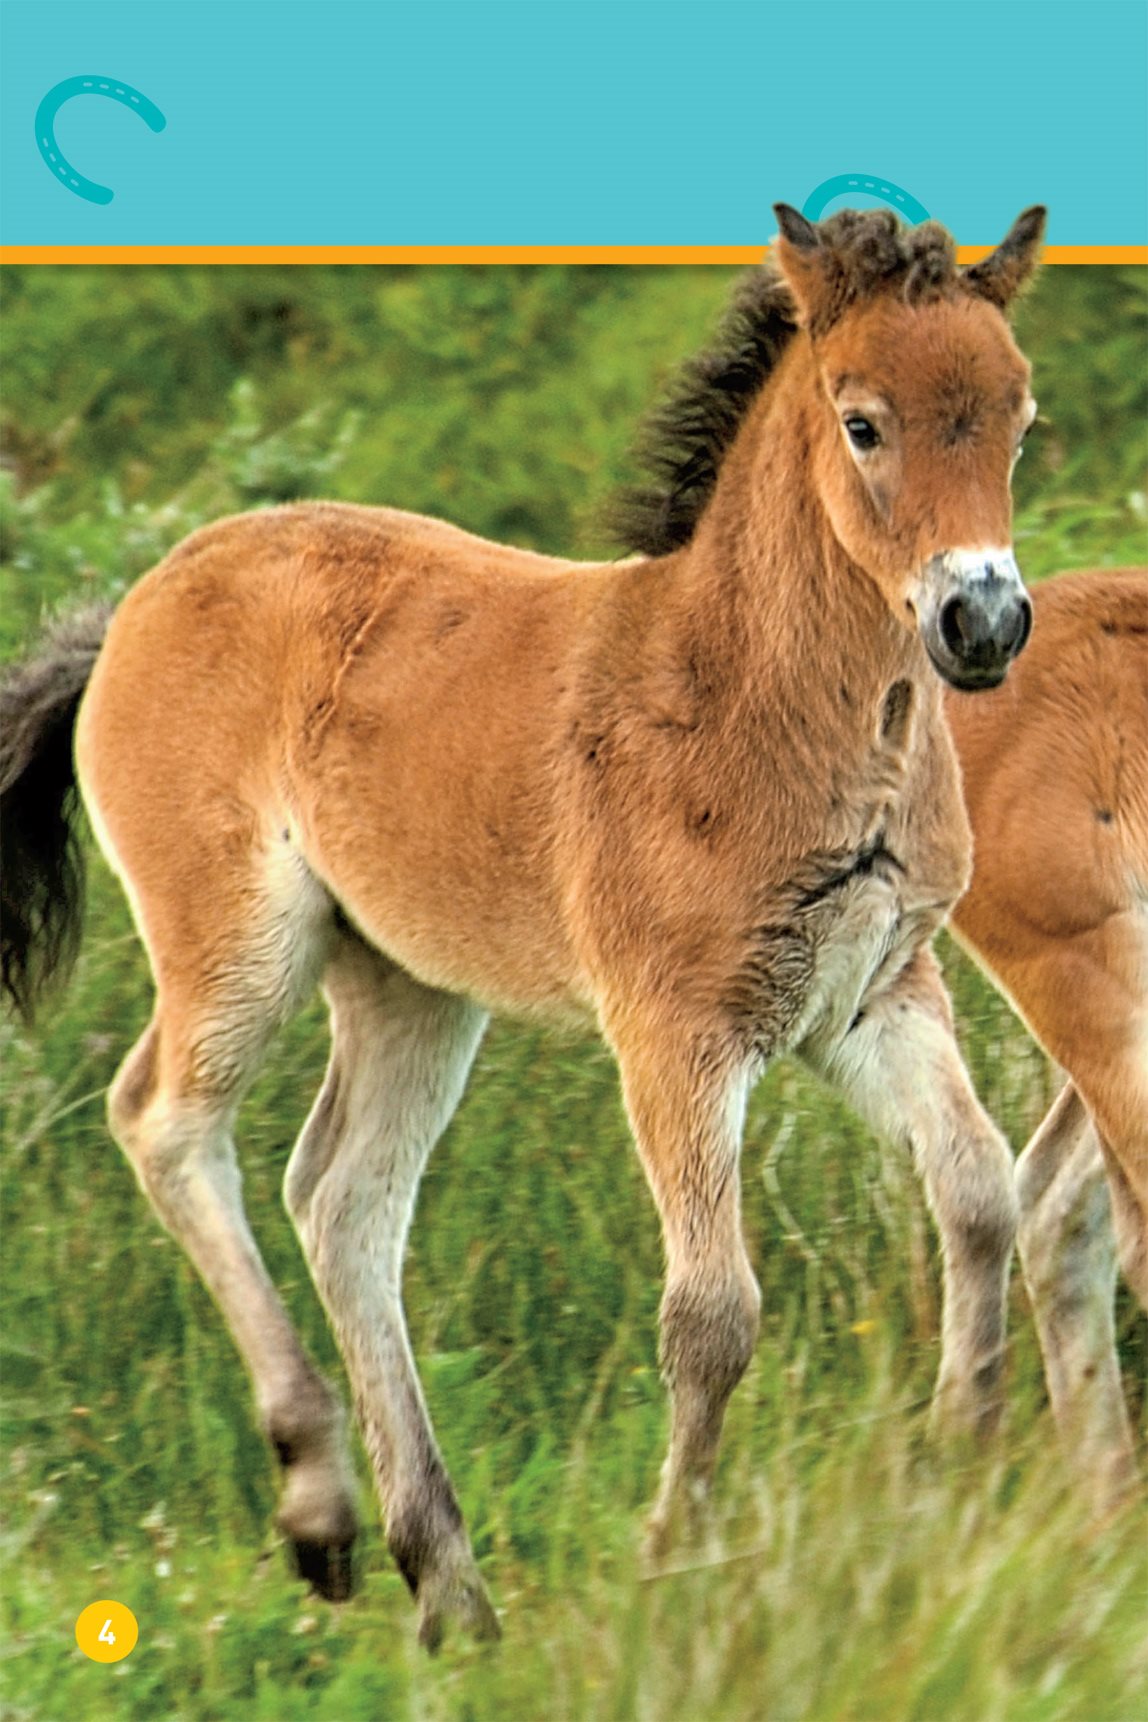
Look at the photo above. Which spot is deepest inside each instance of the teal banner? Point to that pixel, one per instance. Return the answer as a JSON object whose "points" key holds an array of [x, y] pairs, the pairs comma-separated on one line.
{"points": [[545, 122]]}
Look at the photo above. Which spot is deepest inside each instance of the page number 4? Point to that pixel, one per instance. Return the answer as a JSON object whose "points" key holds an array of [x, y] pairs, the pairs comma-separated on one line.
{"points": [[107, 1631]]}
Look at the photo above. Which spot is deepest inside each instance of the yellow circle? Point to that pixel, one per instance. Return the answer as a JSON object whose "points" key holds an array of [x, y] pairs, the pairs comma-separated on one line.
{"points": [[107, 1631]]}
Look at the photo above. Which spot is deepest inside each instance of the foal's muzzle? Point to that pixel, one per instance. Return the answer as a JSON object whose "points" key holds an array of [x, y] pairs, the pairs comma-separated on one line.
{"points": [[974, 615]]}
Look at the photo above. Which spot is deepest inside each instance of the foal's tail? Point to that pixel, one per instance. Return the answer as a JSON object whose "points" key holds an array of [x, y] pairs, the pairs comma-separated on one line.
{"points": [[42, 885]]}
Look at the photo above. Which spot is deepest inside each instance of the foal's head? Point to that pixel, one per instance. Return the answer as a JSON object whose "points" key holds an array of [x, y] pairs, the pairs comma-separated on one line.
{"points": [[922, 404]]}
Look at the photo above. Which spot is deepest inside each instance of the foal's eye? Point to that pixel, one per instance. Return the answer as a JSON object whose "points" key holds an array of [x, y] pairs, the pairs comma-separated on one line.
{"points": [[862, 434]]}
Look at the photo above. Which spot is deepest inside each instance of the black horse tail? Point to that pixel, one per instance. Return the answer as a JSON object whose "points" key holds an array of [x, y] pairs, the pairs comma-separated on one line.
{"points": [[42, 860]]}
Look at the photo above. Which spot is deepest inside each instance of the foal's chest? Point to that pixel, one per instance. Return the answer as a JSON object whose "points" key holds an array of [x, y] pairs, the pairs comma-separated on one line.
{"points": [[852, 913], [859, 944]]}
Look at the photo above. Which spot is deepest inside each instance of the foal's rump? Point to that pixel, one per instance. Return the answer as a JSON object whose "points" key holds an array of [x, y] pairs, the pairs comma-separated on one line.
{"points": [[326, 705]]}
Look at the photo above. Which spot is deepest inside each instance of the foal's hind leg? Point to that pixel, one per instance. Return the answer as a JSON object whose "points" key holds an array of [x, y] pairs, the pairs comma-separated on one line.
{"points": [[900, 1067], [1068, 1252], [399, 1061], [171, 1109]]}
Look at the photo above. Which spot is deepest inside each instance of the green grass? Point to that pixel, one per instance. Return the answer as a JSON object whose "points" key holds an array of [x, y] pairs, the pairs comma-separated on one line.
{"points": [[852, 1575]]}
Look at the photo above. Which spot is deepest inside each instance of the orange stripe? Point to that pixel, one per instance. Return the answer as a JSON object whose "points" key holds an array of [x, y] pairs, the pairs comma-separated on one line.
{"points": [[381, 254]]}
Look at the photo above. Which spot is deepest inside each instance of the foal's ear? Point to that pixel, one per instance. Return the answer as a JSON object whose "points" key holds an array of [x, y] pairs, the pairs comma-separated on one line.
{"points": [[795, 228], [801, 257], [1000, 276]]}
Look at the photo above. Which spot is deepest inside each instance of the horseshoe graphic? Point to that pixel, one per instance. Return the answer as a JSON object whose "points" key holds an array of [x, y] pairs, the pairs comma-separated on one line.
{"points": [[55, 160], [842, 183]]}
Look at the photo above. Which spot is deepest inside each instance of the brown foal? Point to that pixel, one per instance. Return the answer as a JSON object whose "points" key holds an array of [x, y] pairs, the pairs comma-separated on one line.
{"points": [[704, 798]]}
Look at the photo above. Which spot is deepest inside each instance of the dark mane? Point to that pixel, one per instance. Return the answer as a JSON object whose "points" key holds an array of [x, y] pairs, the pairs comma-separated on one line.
{"points": [[682, 444]]}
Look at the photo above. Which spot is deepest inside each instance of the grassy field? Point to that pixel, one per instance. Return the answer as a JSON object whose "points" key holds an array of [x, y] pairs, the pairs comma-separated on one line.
{"points": [[852, 1576]]}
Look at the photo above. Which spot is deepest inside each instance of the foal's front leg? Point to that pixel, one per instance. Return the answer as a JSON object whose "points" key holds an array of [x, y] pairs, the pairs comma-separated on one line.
{"points": [[900, 1067], [686, 1103]]}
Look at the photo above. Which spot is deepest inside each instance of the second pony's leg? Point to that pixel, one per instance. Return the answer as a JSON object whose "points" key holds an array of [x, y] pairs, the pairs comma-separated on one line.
{"points": [[1068, 1253], [900, 1067], [400, 1057], [1084, 999]]}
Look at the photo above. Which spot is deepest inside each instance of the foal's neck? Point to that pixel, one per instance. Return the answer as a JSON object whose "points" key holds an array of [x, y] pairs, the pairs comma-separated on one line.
{"points": [[765, 575]]}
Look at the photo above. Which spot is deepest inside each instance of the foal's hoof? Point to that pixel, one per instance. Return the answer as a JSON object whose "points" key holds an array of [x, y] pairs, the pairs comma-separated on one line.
{"points": [[679, 1525], [459, 1599], [655, 1546], [328, 1568]]}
